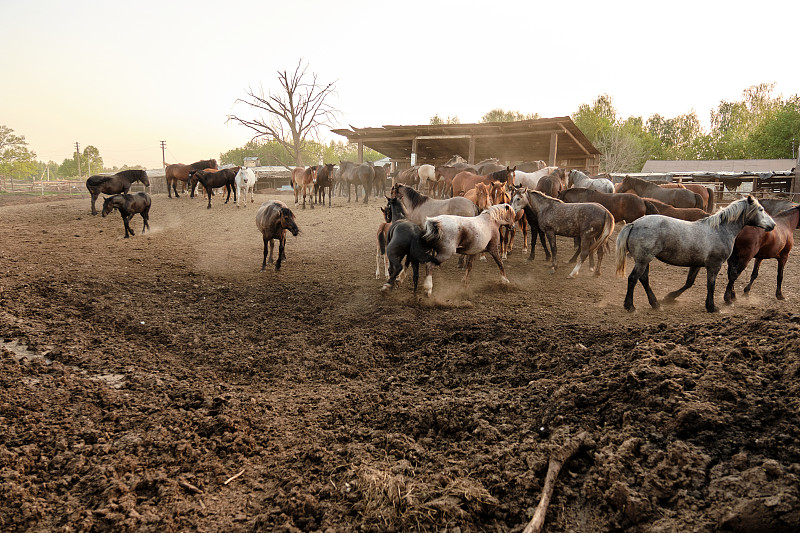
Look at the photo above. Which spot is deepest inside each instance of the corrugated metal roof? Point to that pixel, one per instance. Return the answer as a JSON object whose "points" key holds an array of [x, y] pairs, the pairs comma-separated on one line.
{"points": [[721, 165]]}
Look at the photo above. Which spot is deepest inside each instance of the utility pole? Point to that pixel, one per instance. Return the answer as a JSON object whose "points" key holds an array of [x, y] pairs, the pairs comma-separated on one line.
{"points": [[78, 151], [163, 159]]}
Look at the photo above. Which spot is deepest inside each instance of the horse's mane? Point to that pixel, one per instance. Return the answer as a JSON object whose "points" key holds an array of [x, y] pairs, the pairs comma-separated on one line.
{"points": [[416, 198], [200, 165], [495, 212], [733, 212], [639, 181], [500, 175], [545, 196]]}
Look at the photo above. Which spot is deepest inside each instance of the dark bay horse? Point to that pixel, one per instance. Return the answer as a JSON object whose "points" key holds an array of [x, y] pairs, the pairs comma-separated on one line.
{"points": [[591, 223], [553, 183], [324, 181], [753, 242], [622, 206], [418, 206], [350, 173], [273, 220], [673, 197], [221, 178], [180, 172], [128, 205], [689, 214], [118, 183], [464, 181], [401, 241], [705, 243]]}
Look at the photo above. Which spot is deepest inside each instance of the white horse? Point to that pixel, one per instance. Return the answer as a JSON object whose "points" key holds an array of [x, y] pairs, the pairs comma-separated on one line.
{"points": [[446, 235], [579, 179], [531, 179], [245, 181], [427, 175]]}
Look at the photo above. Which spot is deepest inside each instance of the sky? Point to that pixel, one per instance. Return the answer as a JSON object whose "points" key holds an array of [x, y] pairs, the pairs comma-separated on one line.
{"points": [[123, 76]]}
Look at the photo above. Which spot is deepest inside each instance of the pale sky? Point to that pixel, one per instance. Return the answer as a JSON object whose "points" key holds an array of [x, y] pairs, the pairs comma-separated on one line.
{"points": [[123, 76]]}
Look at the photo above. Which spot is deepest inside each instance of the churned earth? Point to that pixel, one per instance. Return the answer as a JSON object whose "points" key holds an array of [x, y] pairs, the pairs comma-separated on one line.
{"points": [[163, 383]]}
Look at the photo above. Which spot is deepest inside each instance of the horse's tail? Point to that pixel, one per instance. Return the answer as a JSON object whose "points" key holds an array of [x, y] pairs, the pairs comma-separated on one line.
{"points": [[382, 242], [622, 249], [432, 234], [420, 253], [711, 200], [650, 208], [699, 202], [608, 228]]}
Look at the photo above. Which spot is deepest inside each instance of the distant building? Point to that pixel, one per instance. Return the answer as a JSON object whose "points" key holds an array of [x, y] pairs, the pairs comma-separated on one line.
{"points": [[251, 162]]}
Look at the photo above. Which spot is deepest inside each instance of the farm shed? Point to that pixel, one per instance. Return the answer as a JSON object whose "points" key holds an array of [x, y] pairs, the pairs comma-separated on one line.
{"points": [[764, 176], [556, 141]]}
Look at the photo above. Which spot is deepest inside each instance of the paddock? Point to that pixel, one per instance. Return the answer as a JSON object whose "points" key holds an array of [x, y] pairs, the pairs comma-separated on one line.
{"points": [[162, 382]]}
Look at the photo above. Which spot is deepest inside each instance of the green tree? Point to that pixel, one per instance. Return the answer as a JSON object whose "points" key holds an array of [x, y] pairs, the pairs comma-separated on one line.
{"points": [[596, 119], [778, 136], [16, 159], [436, 119], [501, 115], [94, 163]]}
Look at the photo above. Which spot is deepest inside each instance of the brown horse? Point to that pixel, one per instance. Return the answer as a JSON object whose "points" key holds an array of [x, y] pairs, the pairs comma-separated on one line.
{"points": [[690, 214], [192, 182], [305, 179], [706, 193], [218, 178], [324, 181], [553, 183], [590, 222], [673, 197], [499, 195], [407, 176], [445, 175], [464, 181], [479, 196], [273, 219], [622, 206], [753, 242], [180, 172]]}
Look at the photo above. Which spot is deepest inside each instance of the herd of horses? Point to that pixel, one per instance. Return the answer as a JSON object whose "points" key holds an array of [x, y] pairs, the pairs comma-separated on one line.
{"points": [[476, 209]]}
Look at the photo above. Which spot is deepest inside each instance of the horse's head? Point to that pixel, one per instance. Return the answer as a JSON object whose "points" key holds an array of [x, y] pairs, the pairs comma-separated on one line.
{"points": [[144, 179], [757, 216], [108, 205], [287, 221], [520, 199]]}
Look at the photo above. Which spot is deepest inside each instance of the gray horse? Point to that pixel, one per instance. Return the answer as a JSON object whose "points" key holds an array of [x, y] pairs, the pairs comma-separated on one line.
{"points": [[350, 173], [579, 179], [705, 243]]}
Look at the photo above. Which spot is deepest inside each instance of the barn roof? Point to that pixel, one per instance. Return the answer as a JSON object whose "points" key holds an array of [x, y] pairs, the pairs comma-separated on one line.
{"points": [[722, 165], [524, 140]]}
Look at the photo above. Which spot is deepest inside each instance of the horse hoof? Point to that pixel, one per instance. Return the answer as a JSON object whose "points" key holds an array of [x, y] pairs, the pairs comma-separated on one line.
{"points": [[504, 280], [630, 308], [386, 288]]}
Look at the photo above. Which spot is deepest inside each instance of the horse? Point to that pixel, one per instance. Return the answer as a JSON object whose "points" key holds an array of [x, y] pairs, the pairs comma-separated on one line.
{"points": [[480, 196], [531, 179], [773, 206], [128, 205], [305, 179], [355, 174], [499, 195], [464, 181], [489, 166], [446, 235], [379, 181], [427, 176], [622, 206], [706, 193], [456, 160], [673, 197], [445, 175], [324, 181], [245, 181], [179, 171], [118, 183], [191, 181], [753, 242], [273, 219], [393, 212], [531, 166], [579, 179], [553, 183], [591, 223], [401, 240], [705, 243], [221, 178], [690, 214], [407, 176], [419, 206]]}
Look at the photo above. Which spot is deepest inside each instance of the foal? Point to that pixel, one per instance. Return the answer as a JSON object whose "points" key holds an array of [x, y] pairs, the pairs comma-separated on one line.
{"points": [[273, 219], [128, 205]]}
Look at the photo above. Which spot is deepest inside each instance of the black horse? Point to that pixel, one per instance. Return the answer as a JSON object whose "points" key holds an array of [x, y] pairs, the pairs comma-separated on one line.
{"points": [[128, 205], [115, 184], [403, 242], [211, 180], [324, 180], [274, 219]]}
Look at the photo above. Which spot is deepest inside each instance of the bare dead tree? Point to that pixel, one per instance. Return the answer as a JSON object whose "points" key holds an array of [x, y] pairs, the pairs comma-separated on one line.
{"points": [[290, 115]]}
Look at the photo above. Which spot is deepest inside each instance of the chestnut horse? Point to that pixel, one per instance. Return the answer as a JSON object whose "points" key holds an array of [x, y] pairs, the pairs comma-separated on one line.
{"points": [[180, 172], [674, 197], [464, 181], [706, 193], [305, 179], [623, 206], [690, 214], [753, 242], [499, 195]]}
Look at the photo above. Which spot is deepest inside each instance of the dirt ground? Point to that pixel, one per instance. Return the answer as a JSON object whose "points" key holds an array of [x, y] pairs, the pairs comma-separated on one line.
{"points": [[141, 376]]}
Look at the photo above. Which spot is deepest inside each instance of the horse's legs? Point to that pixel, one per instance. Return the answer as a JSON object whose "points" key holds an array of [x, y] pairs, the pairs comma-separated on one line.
{"points": [[428, 285], [639, 271], [689, 282], [266, 246], [523, 224], [468, 267], [600, 254], [551, 236], [580, 256], [94, 199], [146, 217], [753, 275], [209, 190], [645, 281], [781, 263], [281, 247], [174, 187], [415, 268], [711, 282], [493, 251], [126, 220], [735, 267]]}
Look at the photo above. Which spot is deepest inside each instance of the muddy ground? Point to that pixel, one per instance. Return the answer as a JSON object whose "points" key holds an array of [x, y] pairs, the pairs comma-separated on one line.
{"points": [[139, 376]]}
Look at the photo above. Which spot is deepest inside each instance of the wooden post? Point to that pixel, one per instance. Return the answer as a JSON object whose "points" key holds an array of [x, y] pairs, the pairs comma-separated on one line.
{"points": [[360, 152], [471, 154], [413, 151], [553, 149], [795, 189]]}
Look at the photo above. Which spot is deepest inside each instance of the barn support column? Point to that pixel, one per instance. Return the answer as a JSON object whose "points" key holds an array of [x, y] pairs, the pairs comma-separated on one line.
{"points": [[471, 154], [551, 160], [360, 152], [795, 190], [414, 151]]}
